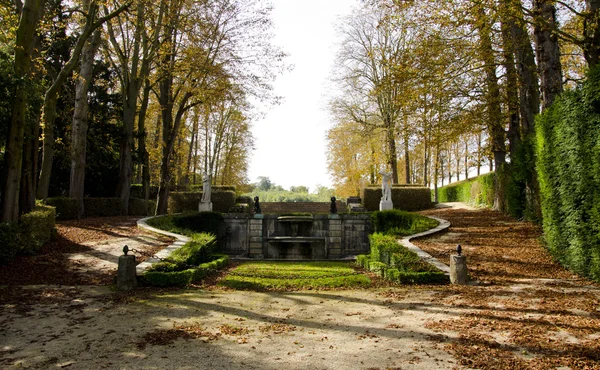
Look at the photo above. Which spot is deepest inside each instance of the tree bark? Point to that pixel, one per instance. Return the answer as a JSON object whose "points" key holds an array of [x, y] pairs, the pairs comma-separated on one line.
{"points": [[492, 97], [591, 32], [13, 157], [547, 50], [79, 126]]}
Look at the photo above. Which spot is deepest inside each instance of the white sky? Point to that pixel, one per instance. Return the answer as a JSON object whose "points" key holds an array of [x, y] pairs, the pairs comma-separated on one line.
{"points": [[290, 139]]}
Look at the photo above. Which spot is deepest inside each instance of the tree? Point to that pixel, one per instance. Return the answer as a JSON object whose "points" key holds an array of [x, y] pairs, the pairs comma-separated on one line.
{"points": [[31, 12], [51, 96]]}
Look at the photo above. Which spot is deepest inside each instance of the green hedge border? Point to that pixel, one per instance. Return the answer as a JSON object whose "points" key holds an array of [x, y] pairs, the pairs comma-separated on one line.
{"points": [[406, 198], [182, 278]]}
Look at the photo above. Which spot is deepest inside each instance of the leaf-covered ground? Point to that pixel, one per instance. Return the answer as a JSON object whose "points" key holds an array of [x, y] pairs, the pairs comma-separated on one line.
{"points": [[84, 252], [525, 311]]}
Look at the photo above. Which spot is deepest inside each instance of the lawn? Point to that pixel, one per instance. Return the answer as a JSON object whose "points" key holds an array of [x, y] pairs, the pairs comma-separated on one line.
{"points": [[267, 275]]}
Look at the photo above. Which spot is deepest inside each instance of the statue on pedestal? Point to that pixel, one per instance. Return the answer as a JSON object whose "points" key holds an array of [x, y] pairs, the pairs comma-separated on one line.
{"points": [[205, 203], [386, 191]]}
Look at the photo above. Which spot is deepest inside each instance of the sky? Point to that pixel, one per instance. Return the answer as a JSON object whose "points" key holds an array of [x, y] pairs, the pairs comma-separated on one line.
{"points": [[290, 144]]}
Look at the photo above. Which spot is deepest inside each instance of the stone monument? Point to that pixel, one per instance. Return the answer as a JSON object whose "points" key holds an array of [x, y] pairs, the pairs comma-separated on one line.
{"points": [[386, 192], [205, 203]]}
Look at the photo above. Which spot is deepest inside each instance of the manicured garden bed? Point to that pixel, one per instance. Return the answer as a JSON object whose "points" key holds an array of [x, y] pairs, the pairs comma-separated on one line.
{"points": [[277, 275]]}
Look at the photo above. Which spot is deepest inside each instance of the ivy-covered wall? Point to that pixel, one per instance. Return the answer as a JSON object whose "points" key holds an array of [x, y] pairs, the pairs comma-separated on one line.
{"points": [[568, 166]]}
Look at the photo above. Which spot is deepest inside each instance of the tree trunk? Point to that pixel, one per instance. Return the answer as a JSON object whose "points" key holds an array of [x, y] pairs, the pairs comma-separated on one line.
{"points": [[80, 123], [591, 33], [406, 159], [547, 50], [529, 92], [51, 96], [142, 135], [492, 97], [13, 157]]}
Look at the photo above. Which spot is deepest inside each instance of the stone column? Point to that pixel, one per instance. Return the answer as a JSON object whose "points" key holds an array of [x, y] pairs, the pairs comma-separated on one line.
{"points": [[334, 236], [458, 270], [256, 236], [126, 274]]}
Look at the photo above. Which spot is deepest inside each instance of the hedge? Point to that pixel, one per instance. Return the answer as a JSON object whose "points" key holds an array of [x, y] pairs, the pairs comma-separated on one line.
{"points": [[404, 197], [188, 223], [477, 191], [185, 277], [32, 231], [66, 208], [36, 228], [400, 223], [382, 247], [397, 263], [179, 202], [568, 166]]}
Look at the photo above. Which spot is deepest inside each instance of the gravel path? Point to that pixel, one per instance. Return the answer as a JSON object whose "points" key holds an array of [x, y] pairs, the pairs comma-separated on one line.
{"points": [[524, 312]]}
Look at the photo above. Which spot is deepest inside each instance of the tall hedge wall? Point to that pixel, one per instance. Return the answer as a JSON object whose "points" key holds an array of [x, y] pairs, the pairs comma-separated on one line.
{"points": [[478, 191], [404, 197], [179, 202], [568, 164]]}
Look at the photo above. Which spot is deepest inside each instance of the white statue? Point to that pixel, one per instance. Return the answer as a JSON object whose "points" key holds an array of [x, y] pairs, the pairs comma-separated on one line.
{"points": [[386, 187], [206, 183]]}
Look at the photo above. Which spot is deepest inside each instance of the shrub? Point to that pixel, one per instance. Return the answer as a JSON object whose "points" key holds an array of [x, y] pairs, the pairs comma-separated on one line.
{"points": [[36, 228], [378, 267], [423, 277], [102, 207], [401, 223], [407, 198], [363, 260], [189, 223], [66, 208], [568, 166], [382, 247], [477, 191], [179, 202], [198, 250], [9, 242], [185, 277], [140, 207]]}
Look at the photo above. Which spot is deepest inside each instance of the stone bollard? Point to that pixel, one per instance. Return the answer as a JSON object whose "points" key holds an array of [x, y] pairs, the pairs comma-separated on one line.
{"points": [[126, 275], [458, 270]]}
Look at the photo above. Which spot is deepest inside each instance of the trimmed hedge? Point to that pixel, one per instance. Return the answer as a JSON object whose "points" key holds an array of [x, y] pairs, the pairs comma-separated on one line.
{"points": [[397, 263], [400, 223], [32, 231], [406, 198], [477, 191], [188, 223], [9, 242], [179, 202], [36, 228], [382, 247], [182, 278], [66, 208], [568, 165]]}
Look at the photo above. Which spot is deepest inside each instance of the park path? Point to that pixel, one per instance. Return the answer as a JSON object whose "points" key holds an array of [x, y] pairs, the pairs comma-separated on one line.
{"points": [[523, 312]]}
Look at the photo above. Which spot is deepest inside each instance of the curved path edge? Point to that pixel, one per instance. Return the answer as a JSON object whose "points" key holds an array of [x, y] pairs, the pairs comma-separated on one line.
{"points": [[180, 240], [444, 225]]}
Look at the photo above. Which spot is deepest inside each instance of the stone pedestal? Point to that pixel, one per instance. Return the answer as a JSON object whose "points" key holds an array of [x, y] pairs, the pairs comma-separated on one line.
{"points": [[384, 205], [256, 237], [205, 207], [334, 247], [458, 270], [126, 276]]}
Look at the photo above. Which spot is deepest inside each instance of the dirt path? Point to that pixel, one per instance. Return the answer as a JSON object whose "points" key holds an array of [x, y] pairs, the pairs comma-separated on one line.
{"points": [[85, 252], [525, 313]]}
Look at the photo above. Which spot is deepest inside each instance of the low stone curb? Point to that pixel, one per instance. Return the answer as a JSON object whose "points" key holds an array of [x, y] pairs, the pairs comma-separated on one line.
{"points": [[180, 241], [421, 253]]}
